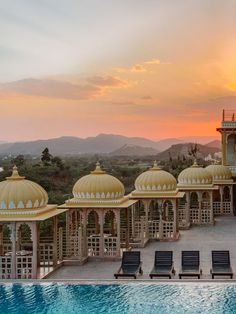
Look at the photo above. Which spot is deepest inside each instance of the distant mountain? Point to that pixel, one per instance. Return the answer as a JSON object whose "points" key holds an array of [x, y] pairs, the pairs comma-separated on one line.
{"points": [[134, 150], [168, 142], [215, 143], [198, 139], [183, 149], [67, 145]]}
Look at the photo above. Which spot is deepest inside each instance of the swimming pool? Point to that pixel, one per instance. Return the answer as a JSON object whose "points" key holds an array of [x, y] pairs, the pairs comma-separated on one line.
{"points": [[118, 298]]}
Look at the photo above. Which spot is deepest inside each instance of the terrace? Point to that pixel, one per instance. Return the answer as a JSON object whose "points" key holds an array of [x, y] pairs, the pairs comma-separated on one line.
{"points": [[203, 238]]}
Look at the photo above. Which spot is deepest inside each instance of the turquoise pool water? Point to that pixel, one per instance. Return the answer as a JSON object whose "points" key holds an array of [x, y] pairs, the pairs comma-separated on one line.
{"points": [[118, 298]]}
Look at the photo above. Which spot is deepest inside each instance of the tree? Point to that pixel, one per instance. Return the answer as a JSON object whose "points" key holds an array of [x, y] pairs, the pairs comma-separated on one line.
{"points": [[46, 157], [19, 160], [58, 162], [193, 151]]}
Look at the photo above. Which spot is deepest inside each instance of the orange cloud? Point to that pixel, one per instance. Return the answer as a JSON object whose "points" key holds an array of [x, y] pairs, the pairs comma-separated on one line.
{"points": [[141, 67], [153, 61], [52, 88]]}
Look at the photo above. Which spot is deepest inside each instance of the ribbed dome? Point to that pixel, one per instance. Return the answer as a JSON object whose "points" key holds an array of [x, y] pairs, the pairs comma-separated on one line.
{"points": [[195, 175], [155, 179], [98, 185], [18, 193], [219, 172]]}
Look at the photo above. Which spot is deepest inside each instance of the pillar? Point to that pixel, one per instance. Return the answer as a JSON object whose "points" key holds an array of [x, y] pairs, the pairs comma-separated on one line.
{"points": [[54, 221], [146, 208], [1, 239], [34, 236], [211, 208], [188, 220], [160, 207], [101, 236], [84, 220], [117, 215], [127, 240], [13, 256], [224, 148], [175, 227], [221, 199], [231, 199], [199, 207]]}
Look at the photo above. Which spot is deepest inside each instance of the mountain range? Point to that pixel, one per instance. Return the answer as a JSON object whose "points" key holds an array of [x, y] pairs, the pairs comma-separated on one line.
{"points": [[100, 144]]}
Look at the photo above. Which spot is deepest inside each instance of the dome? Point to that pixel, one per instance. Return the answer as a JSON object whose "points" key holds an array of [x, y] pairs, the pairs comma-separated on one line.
{"points": [[98, 185], [219, 172], [155, 179], [18, 193], [195, 175]]}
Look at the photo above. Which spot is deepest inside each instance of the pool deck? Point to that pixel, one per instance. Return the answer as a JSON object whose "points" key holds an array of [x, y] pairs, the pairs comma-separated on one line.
{"points": [[221, 236]]}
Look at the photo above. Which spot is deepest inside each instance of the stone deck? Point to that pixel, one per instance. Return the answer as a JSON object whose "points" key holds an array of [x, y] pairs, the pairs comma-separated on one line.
{"points": [[221, 236]]}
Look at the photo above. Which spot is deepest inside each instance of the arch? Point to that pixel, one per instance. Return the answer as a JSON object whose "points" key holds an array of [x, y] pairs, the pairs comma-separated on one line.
{"points": [[205, 196], [194, 200], [216, 196], [168, 212], [231, 149], [93, 226], [226, 194], [154, 213], [24, 237], [110, 222]]}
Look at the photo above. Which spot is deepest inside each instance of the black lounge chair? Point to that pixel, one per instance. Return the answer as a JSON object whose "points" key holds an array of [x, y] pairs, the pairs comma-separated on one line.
{"points": [[131, 265], [221, 264], [163, 264], [190, 264]]}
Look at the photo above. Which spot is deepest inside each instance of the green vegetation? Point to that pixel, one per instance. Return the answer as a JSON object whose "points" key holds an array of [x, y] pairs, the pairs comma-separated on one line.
{"points": [[58, 175]]}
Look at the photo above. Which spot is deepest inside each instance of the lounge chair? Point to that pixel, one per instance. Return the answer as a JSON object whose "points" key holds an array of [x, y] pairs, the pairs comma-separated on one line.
{"points": [[221, 264], [163, 264], [190, 264], [131, 265]]}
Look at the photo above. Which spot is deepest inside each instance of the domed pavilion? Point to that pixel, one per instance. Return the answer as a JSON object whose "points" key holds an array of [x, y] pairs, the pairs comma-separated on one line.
{"points": [[156, 217], [197, 206], [97, 217], [23, 205], [223, 197]]}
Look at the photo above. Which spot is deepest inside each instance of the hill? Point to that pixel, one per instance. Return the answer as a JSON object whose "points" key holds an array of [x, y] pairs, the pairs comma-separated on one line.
{"points": [[134, 150], [215, 143], [67, 145], [183, 149]]}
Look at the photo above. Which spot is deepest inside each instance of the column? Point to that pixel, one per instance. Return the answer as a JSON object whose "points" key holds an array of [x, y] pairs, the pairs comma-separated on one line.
{"points": [[221, 199], [127, 228], [175, 226], [160, 208], [1, 239], [54, 221], [231, 199], [117, 215], [224, 148], [101, 236], [132, 219], [84, 218], [13, 255], [199, 207], [188, 220], [146, 208], [211, 208], [34, 235]]}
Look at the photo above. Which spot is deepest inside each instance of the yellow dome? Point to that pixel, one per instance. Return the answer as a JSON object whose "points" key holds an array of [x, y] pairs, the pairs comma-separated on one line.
{"points": [[18, 193], [219, 172], [195, 175], [98, 185], [155, 179]]}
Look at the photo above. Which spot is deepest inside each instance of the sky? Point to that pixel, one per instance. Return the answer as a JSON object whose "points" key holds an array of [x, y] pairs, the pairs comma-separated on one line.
{"points": [[149, 68]]}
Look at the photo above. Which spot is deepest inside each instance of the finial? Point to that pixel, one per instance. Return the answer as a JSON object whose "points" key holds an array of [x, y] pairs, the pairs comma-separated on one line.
{"points": [[195, 164], [98, 169], [15, 174], [155, 166]]}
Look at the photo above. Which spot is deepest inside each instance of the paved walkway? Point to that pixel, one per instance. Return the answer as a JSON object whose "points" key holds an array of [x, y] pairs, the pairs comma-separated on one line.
{"points": [[221, 236]]}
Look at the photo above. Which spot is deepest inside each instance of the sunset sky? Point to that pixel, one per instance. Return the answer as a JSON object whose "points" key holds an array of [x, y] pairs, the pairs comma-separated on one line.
{"points": [[150, 68]]}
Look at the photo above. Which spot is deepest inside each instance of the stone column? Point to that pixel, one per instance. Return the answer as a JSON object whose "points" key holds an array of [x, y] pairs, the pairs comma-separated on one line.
{"points": [[84, 239], [13, 254], [54, 221], [188, 220], [101, 236], [117, 215], [127, 227], [221, 199], [199, 207], [224, 148], [175, 211], [160, 208], [132, 219], [211, 208], [231, 199], [1, 239], [34, 236], [146, 208]]}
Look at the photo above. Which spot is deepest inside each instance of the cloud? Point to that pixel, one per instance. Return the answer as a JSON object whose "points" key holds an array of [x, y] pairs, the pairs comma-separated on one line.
{"points": [[153, 61], [107, 82], [146, 97], [138, 68], [141, 67], [52, 88]]}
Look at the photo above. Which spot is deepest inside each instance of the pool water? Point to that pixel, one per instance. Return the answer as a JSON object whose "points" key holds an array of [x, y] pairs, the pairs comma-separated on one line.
{"points": [[118, 298]]}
